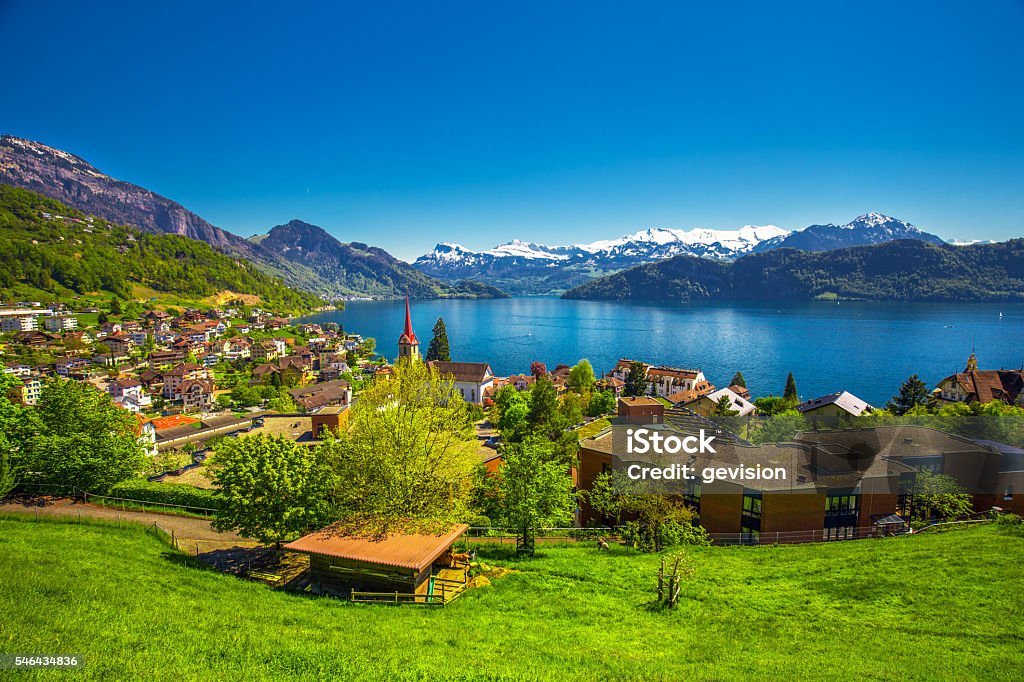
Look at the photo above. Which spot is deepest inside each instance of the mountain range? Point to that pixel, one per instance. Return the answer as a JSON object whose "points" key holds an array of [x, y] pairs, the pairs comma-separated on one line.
{"points": [[901, 270], [529, 268], [305, 256]]}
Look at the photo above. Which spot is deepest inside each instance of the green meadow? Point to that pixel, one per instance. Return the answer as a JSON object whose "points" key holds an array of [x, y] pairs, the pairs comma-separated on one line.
{"points": [[936, 606]]}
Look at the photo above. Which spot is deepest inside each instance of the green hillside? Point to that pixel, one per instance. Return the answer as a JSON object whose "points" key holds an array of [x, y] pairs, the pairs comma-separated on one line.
{"points": [[55, 252], [939, 606], [905, 270]]}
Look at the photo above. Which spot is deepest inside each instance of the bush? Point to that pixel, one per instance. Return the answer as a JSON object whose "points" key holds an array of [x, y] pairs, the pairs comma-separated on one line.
{"points": [[166, 493], [480, 521]]}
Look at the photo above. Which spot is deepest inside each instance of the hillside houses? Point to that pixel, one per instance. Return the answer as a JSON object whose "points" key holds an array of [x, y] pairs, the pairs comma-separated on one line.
{"points": [[982, 386], [664, 382]]}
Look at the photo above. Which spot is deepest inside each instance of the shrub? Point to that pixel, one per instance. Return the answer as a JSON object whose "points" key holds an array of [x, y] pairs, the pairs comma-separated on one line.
{"points": [[166, 493], [480, 521]]}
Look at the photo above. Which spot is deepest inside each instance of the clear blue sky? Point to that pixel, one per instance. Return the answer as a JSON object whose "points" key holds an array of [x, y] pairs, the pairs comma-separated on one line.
{"points": [[404, 124]]}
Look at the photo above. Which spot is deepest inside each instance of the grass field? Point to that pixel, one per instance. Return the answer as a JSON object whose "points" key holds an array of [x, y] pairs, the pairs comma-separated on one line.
{"points": [[943, 606]]}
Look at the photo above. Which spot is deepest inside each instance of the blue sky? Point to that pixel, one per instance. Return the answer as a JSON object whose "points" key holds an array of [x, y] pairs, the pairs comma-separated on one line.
{"points": [[405, 124]]}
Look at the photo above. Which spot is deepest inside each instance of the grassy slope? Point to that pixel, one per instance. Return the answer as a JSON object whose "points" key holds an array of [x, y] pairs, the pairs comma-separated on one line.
{"points": [[943, 606]]}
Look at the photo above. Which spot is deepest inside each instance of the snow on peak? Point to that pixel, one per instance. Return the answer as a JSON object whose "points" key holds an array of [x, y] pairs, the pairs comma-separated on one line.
{"points": [[874, 219]]}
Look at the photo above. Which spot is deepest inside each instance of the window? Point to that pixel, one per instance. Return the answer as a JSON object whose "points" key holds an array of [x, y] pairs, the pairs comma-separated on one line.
{"points": [[840, 533], [692, 496], [750, 519]]}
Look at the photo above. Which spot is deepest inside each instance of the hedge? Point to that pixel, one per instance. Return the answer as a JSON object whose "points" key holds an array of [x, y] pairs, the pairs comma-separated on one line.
{"points": [[167, 493]]}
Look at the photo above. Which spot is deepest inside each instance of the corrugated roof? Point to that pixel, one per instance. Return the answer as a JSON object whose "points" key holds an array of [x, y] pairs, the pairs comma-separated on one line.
{"points": [[404, 550]]}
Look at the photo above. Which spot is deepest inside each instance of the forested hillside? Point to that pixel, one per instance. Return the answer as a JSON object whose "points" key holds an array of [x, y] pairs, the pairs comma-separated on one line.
{"points": [[907, 270], [56, 249]]}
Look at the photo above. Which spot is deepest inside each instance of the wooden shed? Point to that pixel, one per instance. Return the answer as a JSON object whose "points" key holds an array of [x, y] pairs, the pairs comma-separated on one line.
{"points": [[406, 563]]}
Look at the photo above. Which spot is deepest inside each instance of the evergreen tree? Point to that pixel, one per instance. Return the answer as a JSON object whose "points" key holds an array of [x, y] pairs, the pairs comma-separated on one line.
{"points": [[438, 348], [636, 380], [723, 408], [912, 393], [738, 380], [790, 393]]}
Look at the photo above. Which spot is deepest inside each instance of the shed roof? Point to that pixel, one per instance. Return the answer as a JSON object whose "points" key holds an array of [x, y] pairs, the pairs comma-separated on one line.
{"points": [[404, 550]]}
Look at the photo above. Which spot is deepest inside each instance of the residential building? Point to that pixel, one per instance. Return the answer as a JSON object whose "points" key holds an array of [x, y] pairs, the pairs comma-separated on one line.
{"points": [[666, 381], [325, 394], [196, 395], [60, 323], [31, 389], [830, 410], [174, 378], [18, 320], [130, 394], [708, 405], [982, 386]]}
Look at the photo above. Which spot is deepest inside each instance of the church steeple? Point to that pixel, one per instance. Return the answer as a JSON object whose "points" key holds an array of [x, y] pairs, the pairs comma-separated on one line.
{"points": [[408, 344], [972, 363]]}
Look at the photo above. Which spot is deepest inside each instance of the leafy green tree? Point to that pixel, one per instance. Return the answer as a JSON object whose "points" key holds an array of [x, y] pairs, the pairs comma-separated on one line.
{"points": [[636, 380], [779, 428], [581, 377], [771, 405], [438, 348], [115, 306], [601, 403], [16, 423], [271, 488], [83, 440], [543, 415], [535, 491], [790, 393], [738, 380], [410, 452], [245, 395], [283, 402], [513, 408], [368, 346], [939, 496], [913, 393]]}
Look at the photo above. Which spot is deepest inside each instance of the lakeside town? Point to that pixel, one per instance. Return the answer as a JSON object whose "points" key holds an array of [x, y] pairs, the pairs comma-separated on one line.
{"points": [[193, 378]]}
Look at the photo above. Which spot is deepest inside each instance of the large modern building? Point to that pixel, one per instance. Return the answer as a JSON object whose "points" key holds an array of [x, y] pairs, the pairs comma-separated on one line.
{"points": [[837, 484]]}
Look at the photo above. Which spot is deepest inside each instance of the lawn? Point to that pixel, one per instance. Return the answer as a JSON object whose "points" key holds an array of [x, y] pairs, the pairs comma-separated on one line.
{"points": [[942, 606]]}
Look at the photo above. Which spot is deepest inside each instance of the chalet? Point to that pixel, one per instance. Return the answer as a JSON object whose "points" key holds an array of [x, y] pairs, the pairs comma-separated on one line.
{"points": [[410, 565], [708, 404], [834, 408], [129, 394], [165, 358], [67, 368], [982, 386], [196, 394], [237, 348], [325, 394], [471, 378], [264, 351], [33, 339], [18, 369], [109, 328], [522, 382], [174, 378], [118, 345]]}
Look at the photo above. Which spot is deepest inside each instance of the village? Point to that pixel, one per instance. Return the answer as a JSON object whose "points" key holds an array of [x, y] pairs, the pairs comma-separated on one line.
{"points": [[194, 378]]}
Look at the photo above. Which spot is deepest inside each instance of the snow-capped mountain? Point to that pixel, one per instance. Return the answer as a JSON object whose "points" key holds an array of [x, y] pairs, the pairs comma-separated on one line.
{"points": [[526, 267], [870, 228]]}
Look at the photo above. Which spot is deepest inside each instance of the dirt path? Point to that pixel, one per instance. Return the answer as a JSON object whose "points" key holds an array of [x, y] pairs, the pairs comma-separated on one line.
{"points": [[187, 529]]}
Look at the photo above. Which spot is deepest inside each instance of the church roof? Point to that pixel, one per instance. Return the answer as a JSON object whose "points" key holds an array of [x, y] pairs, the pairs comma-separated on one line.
{"points": [[408, 335]]}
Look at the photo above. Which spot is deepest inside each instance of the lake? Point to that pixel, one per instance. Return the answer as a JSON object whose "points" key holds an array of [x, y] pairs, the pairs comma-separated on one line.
{"points": [[865, 348]]}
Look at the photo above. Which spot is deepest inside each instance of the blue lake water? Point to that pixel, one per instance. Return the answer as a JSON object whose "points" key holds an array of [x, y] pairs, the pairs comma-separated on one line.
{"points": [[865, 348]]}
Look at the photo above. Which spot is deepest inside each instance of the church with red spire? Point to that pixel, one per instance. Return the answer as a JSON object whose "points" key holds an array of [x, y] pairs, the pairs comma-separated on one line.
{"points": [[408, 344]]}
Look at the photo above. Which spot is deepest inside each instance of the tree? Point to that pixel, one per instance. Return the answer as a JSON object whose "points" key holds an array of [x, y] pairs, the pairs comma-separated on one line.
{"points": [[410, 452], [543, 406], [601, 403], [790, 393], [939, 496], [535, 491], [16, 422], [723, 408], [538, 369], [912, 393], [581, 377], [271, 488], [83, 440], [438, 348], [513, 408], [771, 405], [368, 346], [779, 428], [738, 380], [636, 380], [115, 306]]}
